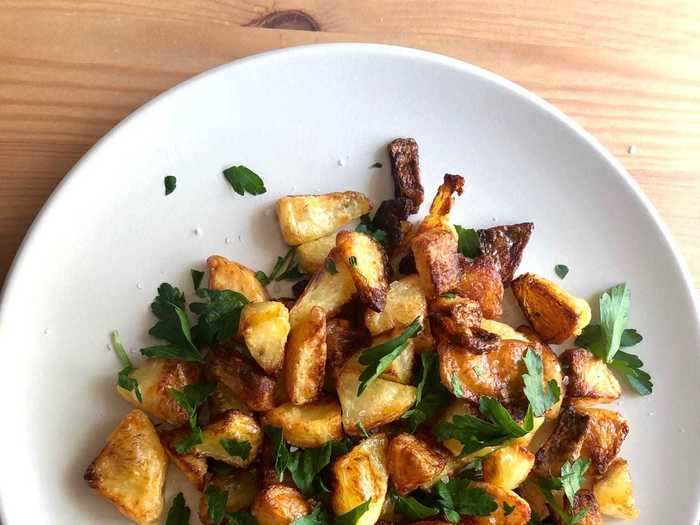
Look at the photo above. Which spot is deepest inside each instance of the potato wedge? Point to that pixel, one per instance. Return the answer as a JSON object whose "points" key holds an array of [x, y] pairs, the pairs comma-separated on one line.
{"points": [[479, 280], [241, 487], [438, 264], [405, 171], [305, 365], [505, 245], [411, 462], [130, 470], [368, 266], [584, 499], [342, 341], [554, 314], [589, 378], [264, 327], [155, 378], [279, 505], [606, 432], [312, 255], [234, 426], [305, 218], [614, 492], [520, 515], [193, 467], [230, 275], [360, 475], [246, 380], [223, 400], [307, 426], [404, 302], [508, 467]]}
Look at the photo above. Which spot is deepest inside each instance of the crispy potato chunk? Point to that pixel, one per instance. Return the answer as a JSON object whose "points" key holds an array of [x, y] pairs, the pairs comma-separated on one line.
{"points": [[279, 505], [606, 432], [229, 275], [342, 341], [502, 330], [264, 328], [531, 493], [456, 315], [307, 426], [441, 206], [246, 380], [368, 266], [479, 280], [305, 366], [193, 467], [405, 301], [555, 314], [564, 444], [438, 264], [156, 377], [520, 515], [305, 218], [614, 492], [412, 462], [391, 219], [241, 487], [360, 475], [382, 401], [508, 467], [505, 245], [235, 426], [130, 470], [312, 255], [223, 400], [584, 499], [401, 369], [405, 171], [589, 378]]}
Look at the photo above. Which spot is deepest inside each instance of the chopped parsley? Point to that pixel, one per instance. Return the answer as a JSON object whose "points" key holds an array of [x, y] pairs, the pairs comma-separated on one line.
{"points": [[352, 261], [561, 270], [179, 513], [219, 315], [351, 517], [244, 180], [541, 398], [285, 268], [196, 278], [236, 448], [170, 183], [457, 388], [123, 378], [376, 165], [468, 243], [457, 499], [430, 394], [570, 482], [329, 264], [318, 516], [216, 500], [367, 226], [190, 398]]}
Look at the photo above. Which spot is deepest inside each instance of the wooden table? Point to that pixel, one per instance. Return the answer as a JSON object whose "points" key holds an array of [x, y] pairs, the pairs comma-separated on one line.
{"points": [[627, 70]]}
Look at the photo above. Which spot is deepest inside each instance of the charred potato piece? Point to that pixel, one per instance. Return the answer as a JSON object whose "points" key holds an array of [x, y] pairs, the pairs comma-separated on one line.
{"points": [[589, 378], [555, 314], [234, 426], [307, 426], [241, 487], [342, 341], [305, 218], [401, 369], [438, 264], [606, 432], [391, 219], [360, 475], [564, 444], [193, 467], [264, 328], [312, 255], [230, 275], [508, 467], [130, 470], [223, 400], [412, 462], [505, 245], [155, 378], [404, 302], [368, 266], [245, 380], [614, 492], [406, 171], [520, 515], [305, 366], [455, 314], [279, 505], [584, 499], [479, 280]]}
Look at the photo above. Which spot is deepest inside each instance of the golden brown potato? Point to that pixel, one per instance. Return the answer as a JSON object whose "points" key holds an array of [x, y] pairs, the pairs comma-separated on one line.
{"points": [[439, 265], [305, 218], [360, 475], [241, 487], [606, 432], [412, 462], [326, 290], [614, 492], [307, 426], [156, 377], [479, 280], [530, 492], [305, 365], [589, 378], [130, 470], [279, 505], [405, 171], [508, 467], [368, 266], [454, 315], [584, 499], [401, 369], [442, 203], [382, 401], [564, 444], [342, 341], [503, 330], [404, 302], [223, 400], [520, 515], [234, 426], [554, 314], [312, 255], [245, 379], [194, 468], [264, 327], [505, 245], [229, 275]]}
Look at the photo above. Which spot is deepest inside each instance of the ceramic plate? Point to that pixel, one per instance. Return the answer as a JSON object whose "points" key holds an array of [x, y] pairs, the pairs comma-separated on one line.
{"points": [[313, 120]]}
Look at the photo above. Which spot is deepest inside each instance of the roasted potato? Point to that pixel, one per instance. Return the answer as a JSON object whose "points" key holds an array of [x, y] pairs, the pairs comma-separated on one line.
{"points": [[229, 275], [479, 280], [307, 426], [245, 379], [520, 515], [401, 369], [155, 378], [606, 432], [193, 467], [305, 218], [441, 206], [223, 399], [279, 505], [584, 499], [130, 470], [455, 315], [235, 426], [614, 492], [305, 365], [412, 462], [391, 219], [564, 444], [405, 171], [405, 301], [554, 314], [502, 330], [312, 255], [368, 265], [589, 378], [342, 341], [326, 290], [508, 467], [264, 328], [360, 475], [505, 245], [241, 487], [530, 492], [438, 264]]}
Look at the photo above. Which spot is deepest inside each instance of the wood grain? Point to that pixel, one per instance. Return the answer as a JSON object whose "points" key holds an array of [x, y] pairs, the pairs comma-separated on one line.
{"points": [[627, 71]]}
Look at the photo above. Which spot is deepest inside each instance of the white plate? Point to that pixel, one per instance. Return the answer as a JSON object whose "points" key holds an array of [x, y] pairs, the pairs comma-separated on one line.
{"points": [[313, 119]]}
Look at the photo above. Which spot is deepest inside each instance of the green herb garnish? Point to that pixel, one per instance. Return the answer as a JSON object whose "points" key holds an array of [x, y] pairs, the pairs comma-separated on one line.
{"points": [[376, 165], [329, 264], [236, 448], [196, 278], [351, 517], [367, 226], [458, 499], [541, 398], [430, 394], [179, 513], [561, 270], [572, 476], [352, 261], [170, 183], [219, 315], [244, 180], [123, 379], [190, 398], [468, 243], [285, 268], [457, 389]]}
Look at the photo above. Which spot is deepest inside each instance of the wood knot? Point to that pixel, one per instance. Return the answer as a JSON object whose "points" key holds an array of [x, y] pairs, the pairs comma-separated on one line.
{"points": [[287, 19]]}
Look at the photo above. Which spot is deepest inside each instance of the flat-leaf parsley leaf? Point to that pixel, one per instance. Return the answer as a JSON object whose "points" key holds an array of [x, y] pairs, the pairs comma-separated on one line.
{"points": [[244, 180]]}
